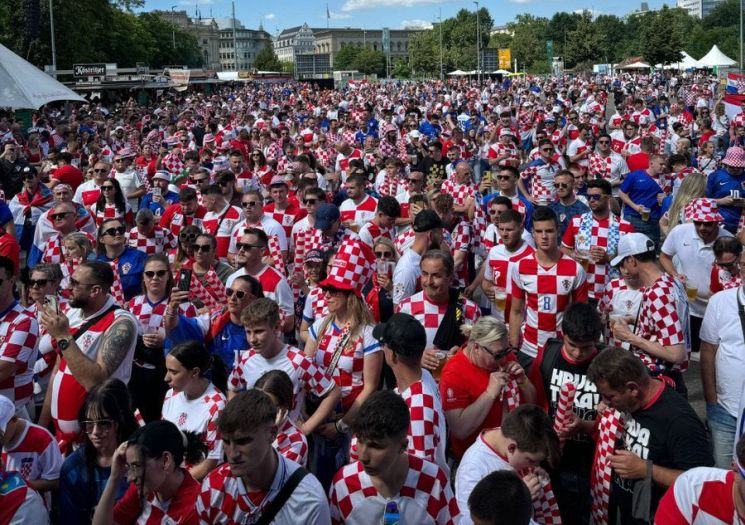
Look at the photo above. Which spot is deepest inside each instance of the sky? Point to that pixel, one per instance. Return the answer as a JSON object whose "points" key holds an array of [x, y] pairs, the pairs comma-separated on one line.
{"points": [[280, 14]]}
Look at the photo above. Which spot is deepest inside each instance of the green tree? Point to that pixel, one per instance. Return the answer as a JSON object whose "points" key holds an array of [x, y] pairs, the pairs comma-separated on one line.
{"points": [[266, 60], [424, 52], [559, 28], [346, 57], [400, 69], [662, 35], [288, 67], [583, 42], [369, 61], [529, 42], [614, 37]]}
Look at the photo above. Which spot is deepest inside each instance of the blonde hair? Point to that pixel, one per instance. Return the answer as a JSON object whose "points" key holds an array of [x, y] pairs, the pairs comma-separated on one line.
{"points": [[485, 330], [692, 187], [82, 241], [385, 241]]}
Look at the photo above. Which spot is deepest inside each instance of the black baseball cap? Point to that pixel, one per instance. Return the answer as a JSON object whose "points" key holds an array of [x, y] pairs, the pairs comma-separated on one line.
{"points": [[403, 334], [426, 220]]}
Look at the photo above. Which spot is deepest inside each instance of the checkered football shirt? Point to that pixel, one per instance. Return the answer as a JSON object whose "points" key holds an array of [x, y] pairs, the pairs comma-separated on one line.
{"points": [[303, 372], [460, 192], [425, 497], [197, 415], [158, 241], [547, 293], [151, 314], [292, 443], [53, 253], [18, 346], [431, 314]]}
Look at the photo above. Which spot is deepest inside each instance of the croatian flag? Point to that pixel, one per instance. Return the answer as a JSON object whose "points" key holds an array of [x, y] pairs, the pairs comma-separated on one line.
{"points": [[734, 94]]}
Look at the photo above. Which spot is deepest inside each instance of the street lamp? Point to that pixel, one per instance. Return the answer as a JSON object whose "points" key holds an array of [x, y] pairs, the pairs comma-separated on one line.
{"points": [[741, 36], [54, 48], [478, 45], [173, 24], [442, 76]]}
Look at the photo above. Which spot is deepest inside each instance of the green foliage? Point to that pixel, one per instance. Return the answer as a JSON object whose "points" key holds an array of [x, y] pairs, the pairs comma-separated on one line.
{"points": [[266, 60], [346, 57], [369, 61], [288, 67], [400, 69]]}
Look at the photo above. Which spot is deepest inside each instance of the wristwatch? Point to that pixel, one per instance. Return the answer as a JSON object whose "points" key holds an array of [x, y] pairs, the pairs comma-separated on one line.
{"points": [[64, 343]]}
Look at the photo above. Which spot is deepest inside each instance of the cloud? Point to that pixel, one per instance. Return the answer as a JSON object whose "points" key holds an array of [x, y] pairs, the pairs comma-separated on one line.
{"points": [[415, 24], [353, 5], [336, 15], [521, 1], [270, 16]]}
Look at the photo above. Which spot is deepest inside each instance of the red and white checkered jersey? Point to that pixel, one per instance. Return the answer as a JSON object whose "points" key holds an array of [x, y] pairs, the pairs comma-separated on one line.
{"points": [[547, 293], [287, 217], [610, 168], [700, 496], [87, 193], [358, 213], [427, 428], [509, 151], [660, 316], [618, 141], [33, 453], [424, 499], [150, 315], [618, 298], [18, 347], [21, 503], [348, 373], [597, 273], [370, 232], [499, 267], [175, 218], [67, 394], [315, 305], [53, 252], [172, 163], [221, 224], [110, 211], [431, 314], [273, 284], [541, 175], [181, 508], [292, 443], [404, 240], [266, 224], [461, 193], [159, 240], [632, 146], [305, 375], [342, 161], [224, 500], [197, 415]]}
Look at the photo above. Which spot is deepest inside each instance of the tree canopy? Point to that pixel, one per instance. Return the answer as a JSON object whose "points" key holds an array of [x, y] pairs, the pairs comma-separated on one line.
{"points": [[266, 60]]}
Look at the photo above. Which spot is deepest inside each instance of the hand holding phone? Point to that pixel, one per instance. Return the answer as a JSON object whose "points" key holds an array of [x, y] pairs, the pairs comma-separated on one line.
{"points": [[184, 279]]}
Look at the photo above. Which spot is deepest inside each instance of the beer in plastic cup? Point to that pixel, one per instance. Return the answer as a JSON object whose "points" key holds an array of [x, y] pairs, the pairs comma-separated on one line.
{"points": [[500, 298], [442, 356], [644, 212], [691, 291]]}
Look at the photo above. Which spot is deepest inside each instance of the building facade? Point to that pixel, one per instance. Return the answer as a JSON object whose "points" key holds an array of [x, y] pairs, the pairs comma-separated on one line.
{"points": [[248, 43], [294, 41], [698, 8], [332, 40], [205, 30]]}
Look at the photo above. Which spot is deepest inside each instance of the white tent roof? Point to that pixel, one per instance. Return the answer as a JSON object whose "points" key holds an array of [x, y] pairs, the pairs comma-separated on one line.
{"points": [[686, 62], [501, 72], [715, 58], [24, 86], [458, 73], [635, 65]]}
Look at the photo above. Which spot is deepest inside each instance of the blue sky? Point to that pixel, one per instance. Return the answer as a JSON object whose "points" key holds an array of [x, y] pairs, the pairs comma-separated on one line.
{"points": [[280, 14]]}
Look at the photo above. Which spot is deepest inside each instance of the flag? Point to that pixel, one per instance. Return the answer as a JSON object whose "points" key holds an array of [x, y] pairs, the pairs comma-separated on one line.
{"points": [[732, 104], [328, 14], [735, 83]]}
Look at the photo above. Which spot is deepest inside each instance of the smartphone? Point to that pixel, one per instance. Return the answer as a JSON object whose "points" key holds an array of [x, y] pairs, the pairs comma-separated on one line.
{"points": [[51, 304], [184, 279], [487, 177], [156, 191]]}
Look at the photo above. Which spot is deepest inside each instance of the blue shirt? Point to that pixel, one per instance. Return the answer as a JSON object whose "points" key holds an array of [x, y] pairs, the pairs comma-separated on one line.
{"points": [[643, 190], [170, 197], [565, 213], [228, 341], [527, 220], [131, 266], [720, 184]]}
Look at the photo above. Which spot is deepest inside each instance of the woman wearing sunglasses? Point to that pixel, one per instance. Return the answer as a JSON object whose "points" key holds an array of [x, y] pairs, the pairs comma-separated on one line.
{"points": [[146, 385], [107, 420], [185, 250], [111, 204], [128, 263], [258, 167]]}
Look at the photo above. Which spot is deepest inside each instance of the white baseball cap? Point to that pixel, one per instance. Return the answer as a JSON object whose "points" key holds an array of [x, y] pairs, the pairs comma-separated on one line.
{"points": [[632, 244]]}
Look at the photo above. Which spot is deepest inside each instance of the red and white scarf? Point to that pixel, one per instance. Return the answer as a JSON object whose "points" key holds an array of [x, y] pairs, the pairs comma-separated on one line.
{"points": [[117, 292], [276, 254], [610, 430], [564, 408], [213, 294], [545, 507]]}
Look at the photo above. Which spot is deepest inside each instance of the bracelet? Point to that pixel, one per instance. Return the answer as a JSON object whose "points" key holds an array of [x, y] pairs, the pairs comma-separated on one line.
{"points": [[341, 427], [524, 383]]}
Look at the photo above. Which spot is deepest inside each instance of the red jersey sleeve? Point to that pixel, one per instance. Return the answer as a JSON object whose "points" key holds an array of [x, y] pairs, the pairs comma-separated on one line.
{"points": [[128, 509], [568, 239], [167, 216]]}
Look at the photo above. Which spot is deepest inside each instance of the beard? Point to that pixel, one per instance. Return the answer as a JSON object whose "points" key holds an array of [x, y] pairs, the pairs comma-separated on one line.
{"points": [[77, 302]]}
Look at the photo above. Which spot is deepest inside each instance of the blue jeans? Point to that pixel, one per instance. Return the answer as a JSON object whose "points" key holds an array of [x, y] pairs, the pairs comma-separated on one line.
{"points": [[723, 428], [650, 228]]}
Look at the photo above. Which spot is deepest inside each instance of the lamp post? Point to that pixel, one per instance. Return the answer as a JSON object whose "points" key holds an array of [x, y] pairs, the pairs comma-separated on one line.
{"points": [[478, 45], [173, 25], [740, 36], [442, 73], [54, 47]]}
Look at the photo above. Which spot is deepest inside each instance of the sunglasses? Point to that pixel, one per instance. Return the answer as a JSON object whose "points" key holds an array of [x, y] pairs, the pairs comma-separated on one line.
{"points": [[60, 216], [107, 188], [250, 204], [239, 294], [99, 171], [118, 160], [381, 255], [200, 181], [74, 283], [604, 142], [547, 149], [160, 273], [104, 425], [595, 196], [29, 176], [726, 266], [188, 237], [119, 230], [504, 177], [562, 185], [204, 248], [416, 180], [309, 202], [41, 283], [240, 246], [497, 356]]}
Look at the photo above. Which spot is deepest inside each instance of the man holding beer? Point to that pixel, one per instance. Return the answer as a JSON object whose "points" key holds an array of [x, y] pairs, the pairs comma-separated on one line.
{"points": [[592, 237], [693, 243], [659, 335], [641, 195]]}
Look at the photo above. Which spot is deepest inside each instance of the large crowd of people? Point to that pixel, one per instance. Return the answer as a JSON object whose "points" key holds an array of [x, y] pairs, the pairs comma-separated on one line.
{"points": [[407, 302]]}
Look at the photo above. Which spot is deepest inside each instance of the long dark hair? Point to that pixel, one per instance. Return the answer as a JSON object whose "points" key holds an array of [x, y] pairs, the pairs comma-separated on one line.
{"points": [[119, 201], [110, 399], [181, 255], [193, 354]]}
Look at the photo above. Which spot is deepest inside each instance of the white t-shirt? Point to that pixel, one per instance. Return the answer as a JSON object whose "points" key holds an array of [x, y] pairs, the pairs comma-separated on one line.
{"points": [[405, 275], [197, 415], [129, 181]]}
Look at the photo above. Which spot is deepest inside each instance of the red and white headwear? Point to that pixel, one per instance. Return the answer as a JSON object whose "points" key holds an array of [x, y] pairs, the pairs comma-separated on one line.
{"points": [[352, 268], [704, 210], [308, 136], [735, 157], [208, 138], [389, 128], [126, 152], [220, 164]]}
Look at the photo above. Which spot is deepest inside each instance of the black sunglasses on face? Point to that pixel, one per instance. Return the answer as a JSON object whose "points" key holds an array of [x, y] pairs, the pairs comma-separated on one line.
{"points": [[562, 185], [309, 202], [250, 204], [504, 177], [107, 188], [239, 294], [204, 248], [99, 171], [119, 230], [61, 215], [595, 196], [380, 255], [241, 246], [188, 237], [41, 283], [150, 273]]}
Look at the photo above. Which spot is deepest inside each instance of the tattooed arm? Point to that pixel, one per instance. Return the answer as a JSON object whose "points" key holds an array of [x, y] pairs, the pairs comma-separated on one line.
{"points": [[116, 342]]}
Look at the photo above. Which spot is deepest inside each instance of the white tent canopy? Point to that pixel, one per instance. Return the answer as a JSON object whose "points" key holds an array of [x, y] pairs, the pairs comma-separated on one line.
{"points": [[635, 65], [501, 72], [457, 73], [24, 86], [686, 62], [715, 58]]}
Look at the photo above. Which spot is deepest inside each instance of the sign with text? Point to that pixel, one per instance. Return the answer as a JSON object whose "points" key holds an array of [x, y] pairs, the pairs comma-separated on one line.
{"points": [[505, 58], [88, 70]]}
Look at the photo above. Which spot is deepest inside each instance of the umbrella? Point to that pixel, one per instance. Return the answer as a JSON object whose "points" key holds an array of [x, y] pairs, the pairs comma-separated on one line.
{"points": [[24, 86], [457, 73], [501, 72]]}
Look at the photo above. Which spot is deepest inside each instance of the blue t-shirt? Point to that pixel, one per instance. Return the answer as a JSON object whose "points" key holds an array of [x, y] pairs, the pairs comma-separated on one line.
{"points": [[528, 219], [643, 190], [565, 213], [6, 215], [170, 197], [131, 266], [230, 339], [721, 184]]}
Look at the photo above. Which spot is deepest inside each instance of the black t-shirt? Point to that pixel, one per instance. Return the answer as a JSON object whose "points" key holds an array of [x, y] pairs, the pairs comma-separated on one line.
{"points": [[669, 433], [555, 369], [434, 169]]}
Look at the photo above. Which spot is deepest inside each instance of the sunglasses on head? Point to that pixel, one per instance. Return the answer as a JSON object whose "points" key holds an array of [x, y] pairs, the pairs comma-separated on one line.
{"points": [[239, 294], [204, 248], [152, 273], [41, 283], [118, 230]]}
